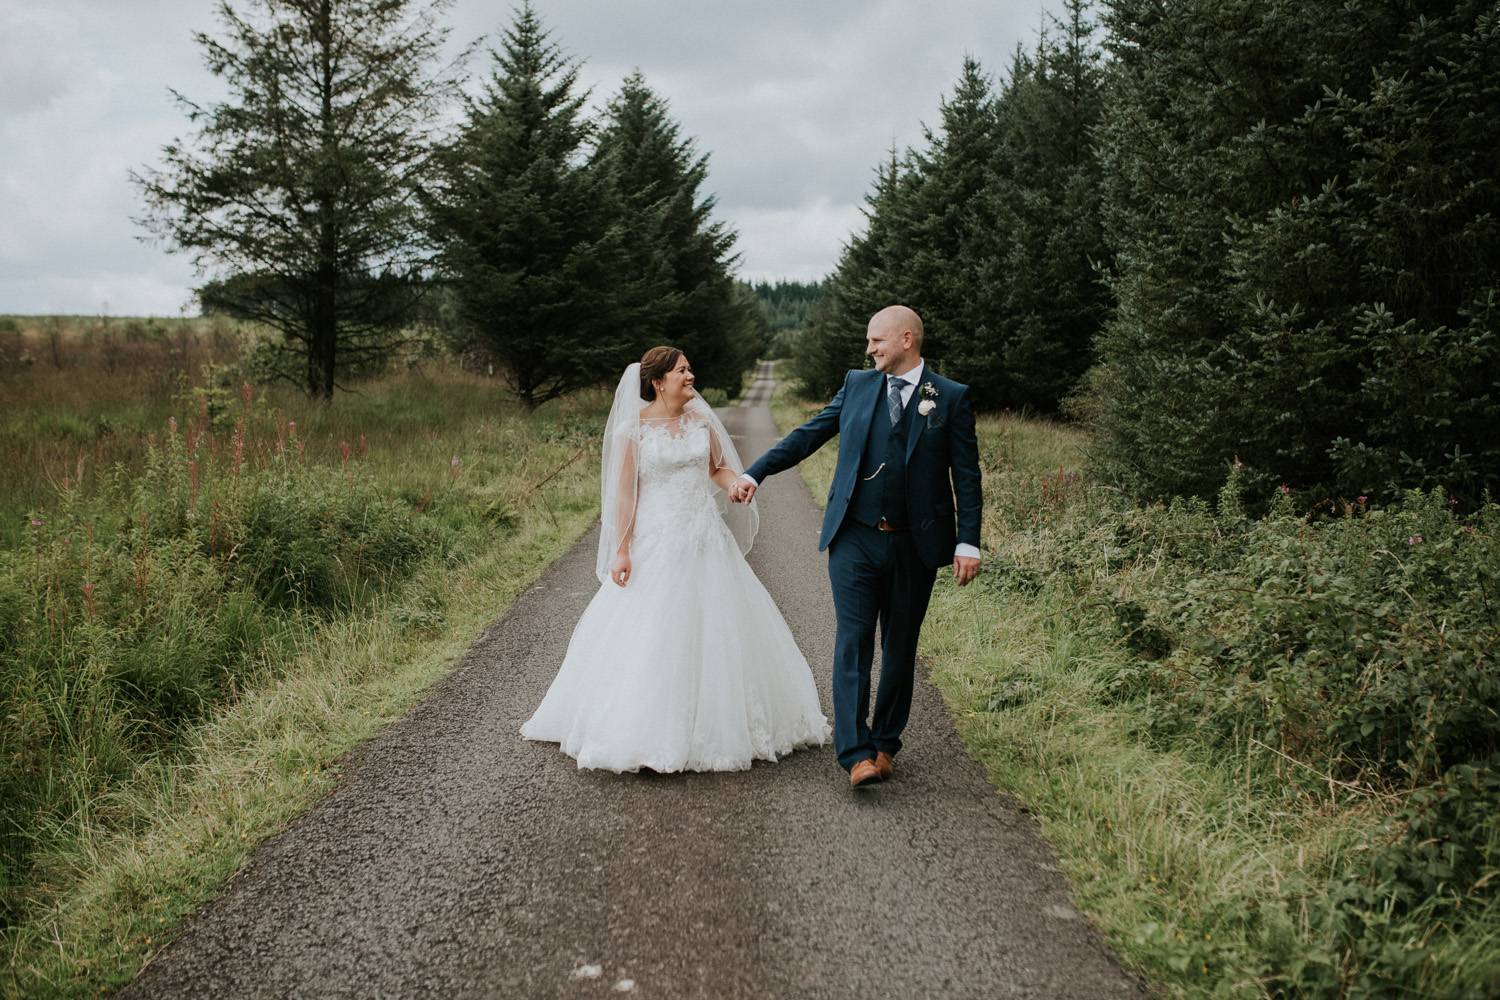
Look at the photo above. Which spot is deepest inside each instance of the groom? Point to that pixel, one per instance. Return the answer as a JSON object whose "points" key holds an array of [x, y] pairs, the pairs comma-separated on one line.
{"points": [[907, 449]]}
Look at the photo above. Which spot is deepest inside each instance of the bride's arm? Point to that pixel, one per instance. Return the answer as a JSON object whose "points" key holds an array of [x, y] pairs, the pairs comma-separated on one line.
{"points": [[719, 470], [625, 498]]}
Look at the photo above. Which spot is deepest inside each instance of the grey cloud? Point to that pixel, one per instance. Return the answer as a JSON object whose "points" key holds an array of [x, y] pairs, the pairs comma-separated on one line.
{"points": [[795, 102]]}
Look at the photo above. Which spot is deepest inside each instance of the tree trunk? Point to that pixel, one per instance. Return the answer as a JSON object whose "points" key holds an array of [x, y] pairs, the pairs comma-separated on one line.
{"points": [[322, 342]]}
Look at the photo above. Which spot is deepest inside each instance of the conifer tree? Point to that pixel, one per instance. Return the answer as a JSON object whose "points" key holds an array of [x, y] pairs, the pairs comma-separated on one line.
{"points": [[678, 282], [1301, 203], [870, 276], [296, 196], [1039, 294], [529, 235], [950, 229]]}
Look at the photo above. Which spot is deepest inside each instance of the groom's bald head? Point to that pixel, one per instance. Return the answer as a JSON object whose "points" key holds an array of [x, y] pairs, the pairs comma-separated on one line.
{"points": [[894, 339], [900, 319]]}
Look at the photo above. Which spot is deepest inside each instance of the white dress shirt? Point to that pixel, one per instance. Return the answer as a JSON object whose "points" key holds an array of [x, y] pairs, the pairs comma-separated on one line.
{"points": [[912, 378]]}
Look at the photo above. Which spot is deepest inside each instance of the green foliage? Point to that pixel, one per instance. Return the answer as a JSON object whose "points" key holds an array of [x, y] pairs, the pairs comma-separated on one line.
{"points": [[526, 232], [1354, 648], [137, 608], [679, 257], [573, 245], [1301, 203], [1039, 301], [788, 309], [297, 195], [992, 232], [154, 728], [834, 340]]}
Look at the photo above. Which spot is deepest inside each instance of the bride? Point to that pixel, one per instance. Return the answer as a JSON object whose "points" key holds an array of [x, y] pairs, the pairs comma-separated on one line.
{"points": [[681, 662]]}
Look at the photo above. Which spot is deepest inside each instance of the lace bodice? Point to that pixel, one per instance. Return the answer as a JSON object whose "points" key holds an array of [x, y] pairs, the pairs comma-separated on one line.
{"points": [[676, 496]]}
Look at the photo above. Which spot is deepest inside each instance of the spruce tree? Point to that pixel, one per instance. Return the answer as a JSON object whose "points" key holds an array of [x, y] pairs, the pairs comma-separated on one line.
{"points": [[871, 274], [529, 236], [678, 285], [1038, 289], [1301, 205], [296, 195], [950, 230]]}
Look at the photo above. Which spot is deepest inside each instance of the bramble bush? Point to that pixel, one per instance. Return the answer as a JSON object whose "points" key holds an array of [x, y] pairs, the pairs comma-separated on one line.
{"points": [[1357, 645]]}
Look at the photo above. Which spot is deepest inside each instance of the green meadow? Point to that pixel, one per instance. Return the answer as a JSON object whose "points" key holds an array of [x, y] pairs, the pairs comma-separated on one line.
{"points": [[209, 593]]}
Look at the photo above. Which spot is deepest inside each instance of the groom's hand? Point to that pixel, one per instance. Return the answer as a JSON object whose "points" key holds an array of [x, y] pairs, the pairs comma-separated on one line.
{"points": [[965, 568], [744, 491]]}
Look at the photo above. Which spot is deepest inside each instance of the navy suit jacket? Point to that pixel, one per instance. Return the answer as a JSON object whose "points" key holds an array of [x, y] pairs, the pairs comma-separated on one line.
{"points": [[943, 492]]}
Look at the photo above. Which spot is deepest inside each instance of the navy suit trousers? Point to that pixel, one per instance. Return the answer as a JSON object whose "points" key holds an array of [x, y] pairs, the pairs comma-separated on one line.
{"points": [[877, 576]]}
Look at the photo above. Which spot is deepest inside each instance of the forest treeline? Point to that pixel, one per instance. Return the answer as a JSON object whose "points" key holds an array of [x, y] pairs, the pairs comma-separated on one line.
{"points": [[1230, 234], [325, 200]]}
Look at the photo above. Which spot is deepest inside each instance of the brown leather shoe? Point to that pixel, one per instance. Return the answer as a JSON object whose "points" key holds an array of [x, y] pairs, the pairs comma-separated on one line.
{"points": [[884, 764], [864, 773]]}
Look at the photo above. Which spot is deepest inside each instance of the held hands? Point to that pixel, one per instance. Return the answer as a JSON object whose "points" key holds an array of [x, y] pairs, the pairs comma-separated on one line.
{"points": [[965, 568], [743, 491]]}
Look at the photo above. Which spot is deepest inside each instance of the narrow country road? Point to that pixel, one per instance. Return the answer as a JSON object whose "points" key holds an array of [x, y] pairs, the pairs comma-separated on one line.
{"points": [[460, 861]]}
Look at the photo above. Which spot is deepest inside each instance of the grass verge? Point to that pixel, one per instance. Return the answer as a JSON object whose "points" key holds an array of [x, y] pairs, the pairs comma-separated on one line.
{"points": [[1260, 747], [128, 851]]}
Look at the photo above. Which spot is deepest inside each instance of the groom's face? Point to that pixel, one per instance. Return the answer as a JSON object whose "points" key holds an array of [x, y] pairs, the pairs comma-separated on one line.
{"points": [[889, 344]]}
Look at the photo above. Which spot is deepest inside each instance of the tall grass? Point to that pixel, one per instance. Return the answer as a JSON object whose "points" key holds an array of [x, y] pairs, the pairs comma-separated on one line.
{"points": [[195, 627], [1261, 747]]}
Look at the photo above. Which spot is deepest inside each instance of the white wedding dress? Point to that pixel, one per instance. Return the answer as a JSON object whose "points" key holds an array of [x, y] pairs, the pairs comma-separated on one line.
{"points": [[690, 666]]}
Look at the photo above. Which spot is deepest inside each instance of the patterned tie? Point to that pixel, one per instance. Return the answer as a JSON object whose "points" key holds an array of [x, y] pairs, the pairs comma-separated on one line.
{"points": [[893, 398]]}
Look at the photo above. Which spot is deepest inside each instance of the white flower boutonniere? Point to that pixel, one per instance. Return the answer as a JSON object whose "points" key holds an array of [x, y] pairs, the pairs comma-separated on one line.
{"points": [[929, 393]]}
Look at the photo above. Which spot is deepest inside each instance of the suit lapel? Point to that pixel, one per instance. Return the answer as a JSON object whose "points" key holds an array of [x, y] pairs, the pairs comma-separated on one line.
{"points": [[918, 422], [868, 404]]}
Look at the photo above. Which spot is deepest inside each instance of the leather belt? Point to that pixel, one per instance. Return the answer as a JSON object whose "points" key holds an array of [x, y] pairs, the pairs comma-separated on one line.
{"points": [[885, 525]]}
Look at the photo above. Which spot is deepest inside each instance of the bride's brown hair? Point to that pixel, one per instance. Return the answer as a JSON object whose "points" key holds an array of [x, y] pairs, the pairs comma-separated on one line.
{"points": [[655, 364]]}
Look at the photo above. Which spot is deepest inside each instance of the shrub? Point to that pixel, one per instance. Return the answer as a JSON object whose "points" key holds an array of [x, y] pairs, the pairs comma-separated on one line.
{"points": [[1356, 645], [135, 608]]}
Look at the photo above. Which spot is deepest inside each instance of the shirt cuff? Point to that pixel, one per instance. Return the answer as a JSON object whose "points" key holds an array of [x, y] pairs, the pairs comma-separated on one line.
{"points": [[749, 478], [965, 549]]}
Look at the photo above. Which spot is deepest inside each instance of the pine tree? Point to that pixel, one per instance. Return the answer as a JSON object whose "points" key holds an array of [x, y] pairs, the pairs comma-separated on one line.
{"points": [[295, 197], [679, 258], [950, 230], [1301, 205], [529, 236], [870, 276], [1039, 294]]}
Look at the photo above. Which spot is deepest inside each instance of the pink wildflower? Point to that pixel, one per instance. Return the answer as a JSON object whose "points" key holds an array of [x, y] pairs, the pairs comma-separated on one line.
{"points": [[1414, 540]]}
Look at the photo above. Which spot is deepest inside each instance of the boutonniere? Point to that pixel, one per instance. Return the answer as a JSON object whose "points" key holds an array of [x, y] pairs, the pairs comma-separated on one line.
{"points": [[929, 393]]}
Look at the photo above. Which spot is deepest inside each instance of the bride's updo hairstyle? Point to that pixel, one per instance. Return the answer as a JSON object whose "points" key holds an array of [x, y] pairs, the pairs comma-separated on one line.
{"points": [[655, 364]]}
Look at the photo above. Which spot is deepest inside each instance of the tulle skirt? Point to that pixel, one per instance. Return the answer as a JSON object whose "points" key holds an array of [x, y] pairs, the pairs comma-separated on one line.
{"points": [[689, 667]]}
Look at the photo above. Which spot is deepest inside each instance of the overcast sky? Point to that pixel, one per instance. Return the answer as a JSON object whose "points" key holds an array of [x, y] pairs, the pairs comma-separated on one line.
{"points": [[794, 101]]}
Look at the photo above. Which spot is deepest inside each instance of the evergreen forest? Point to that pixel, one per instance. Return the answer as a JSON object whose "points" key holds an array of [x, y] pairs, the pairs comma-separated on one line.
{"points": [[1246, 236]]}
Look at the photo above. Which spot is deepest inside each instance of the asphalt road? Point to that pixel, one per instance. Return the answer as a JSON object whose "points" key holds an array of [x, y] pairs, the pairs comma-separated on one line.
{"points": [[460, 861]]}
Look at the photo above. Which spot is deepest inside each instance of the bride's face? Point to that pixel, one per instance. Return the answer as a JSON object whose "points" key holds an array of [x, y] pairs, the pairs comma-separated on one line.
{"points": [[678, 383]]}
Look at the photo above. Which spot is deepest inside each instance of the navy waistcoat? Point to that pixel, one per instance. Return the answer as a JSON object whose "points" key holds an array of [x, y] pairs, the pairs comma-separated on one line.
{"points": [[881, 489]]}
